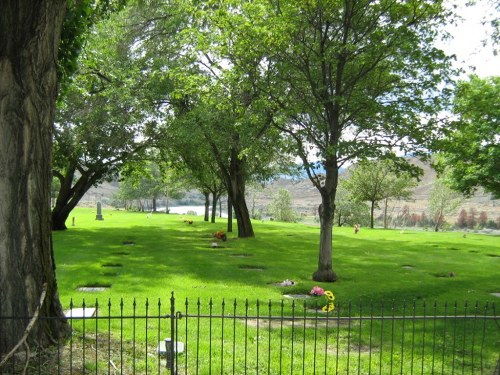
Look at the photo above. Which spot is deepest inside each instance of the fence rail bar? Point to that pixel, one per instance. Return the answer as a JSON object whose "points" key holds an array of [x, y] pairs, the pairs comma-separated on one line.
{"points": [[270, 338]]}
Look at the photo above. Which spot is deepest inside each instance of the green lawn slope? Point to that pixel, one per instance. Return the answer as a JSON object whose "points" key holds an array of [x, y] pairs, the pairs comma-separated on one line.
{"points": [[144, 256]]}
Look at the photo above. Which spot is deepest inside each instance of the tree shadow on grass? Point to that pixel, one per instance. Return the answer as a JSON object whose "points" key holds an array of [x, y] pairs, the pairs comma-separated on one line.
{"points": [[369, 268]]}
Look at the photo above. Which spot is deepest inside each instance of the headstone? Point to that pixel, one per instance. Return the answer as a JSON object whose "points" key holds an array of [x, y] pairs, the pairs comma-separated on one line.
{"points": [[73, 222], [99, 212]]}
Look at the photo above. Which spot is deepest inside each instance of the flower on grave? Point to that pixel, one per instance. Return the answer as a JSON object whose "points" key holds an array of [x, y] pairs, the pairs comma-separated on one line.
{"points": [[220, 235], [329, 306], [288, 282], [317, 291], [325, 300]]}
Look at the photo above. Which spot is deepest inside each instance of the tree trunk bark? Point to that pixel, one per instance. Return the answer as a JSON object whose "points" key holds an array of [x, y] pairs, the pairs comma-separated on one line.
{"points": [[69, 195], [372, 211], [28, 89], [325, 267], [326, 213], [229, 215], [236, 192], [214, 206], [386, 204], [206, 194], [153, 209]]}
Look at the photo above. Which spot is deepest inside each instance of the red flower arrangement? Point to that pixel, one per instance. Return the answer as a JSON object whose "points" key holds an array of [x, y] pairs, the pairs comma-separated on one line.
{"points": [[220, 235]]}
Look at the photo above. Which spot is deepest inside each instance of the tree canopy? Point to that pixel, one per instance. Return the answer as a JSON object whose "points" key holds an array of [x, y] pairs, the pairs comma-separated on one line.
{"points": [[471, 148], [207, 94], [350, 80], [101, 119]]}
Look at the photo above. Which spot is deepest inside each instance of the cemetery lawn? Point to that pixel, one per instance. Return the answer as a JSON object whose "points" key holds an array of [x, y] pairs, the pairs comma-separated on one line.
{"points": [[140, 259], [142, 256]]}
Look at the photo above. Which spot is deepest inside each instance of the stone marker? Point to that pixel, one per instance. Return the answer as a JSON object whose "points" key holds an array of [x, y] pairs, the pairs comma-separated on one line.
{"points": [[167, 344], [166, 347], [99, 212], [87, 312]]}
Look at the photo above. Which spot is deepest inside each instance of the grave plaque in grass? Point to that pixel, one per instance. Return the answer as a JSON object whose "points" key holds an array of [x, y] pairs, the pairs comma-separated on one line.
{"points": [[243, 255], [250, 267], [94, 287]]}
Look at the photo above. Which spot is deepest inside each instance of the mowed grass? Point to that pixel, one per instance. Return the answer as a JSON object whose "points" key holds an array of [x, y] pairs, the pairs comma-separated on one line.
{"points": [[142, 259], [140, 256]]}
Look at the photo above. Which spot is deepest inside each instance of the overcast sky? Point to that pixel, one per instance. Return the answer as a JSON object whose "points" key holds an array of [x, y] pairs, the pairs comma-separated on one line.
{"points": [[469, 35]]}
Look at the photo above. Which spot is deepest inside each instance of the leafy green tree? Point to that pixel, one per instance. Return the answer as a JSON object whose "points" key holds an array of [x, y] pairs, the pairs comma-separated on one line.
{"points": [[471, 149], [208, 89], [378, 181], [281, 207], [443, 201], [351, 79], [200, 168], [100, 120]]}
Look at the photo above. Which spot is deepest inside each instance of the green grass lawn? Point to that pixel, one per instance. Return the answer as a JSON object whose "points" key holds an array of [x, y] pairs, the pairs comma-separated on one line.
{"points": [[143, 258], [168, 254]]}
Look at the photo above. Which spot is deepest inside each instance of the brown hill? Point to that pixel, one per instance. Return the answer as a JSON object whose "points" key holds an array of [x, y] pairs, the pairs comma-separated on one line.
{"points": [[306, 198]]}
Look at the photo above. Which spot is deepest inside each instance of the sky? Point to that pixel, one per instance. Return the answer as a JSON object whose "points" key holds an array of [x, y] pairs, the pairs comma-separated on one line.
{"points": [[469, 34]]}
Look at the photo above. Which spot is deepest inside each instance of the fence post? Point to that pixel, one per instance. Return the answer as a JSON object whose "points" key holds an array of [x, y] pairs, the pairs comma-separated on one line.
{"points": [[169, 344]]}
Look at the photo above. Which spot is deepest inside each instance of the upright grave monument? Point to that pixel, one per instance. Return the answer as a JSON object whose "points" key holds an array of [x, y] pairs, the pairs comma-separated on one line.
{"points": [[99, 212]]}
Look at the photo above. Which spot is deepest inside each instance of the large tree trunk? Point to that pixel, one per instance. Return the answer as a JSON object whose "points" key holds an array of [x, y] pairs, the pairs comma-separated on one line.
{"points": [[238, 201], [235, 183], [28, 87], [325, 266], [70, 194], [326, 212], [206, 194]]}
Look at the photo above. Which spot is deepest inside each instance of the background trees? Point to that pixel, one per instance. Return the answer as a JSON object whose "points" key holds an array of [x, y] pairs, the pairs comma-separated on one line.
{"points": [[378, 181], [349, 210], [281, 207], [442, 201]]}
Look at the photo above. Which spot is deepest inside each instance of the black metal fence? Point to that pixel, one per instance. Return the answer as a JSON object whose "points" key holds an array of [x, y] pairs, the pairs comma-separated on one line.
{"points": [[286, 337]]}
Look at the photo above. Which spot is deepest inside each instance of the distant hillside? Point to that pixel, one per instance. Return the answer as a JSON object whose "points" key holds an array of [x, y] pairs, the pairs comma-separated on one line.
{"points": [[306, 198]]}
